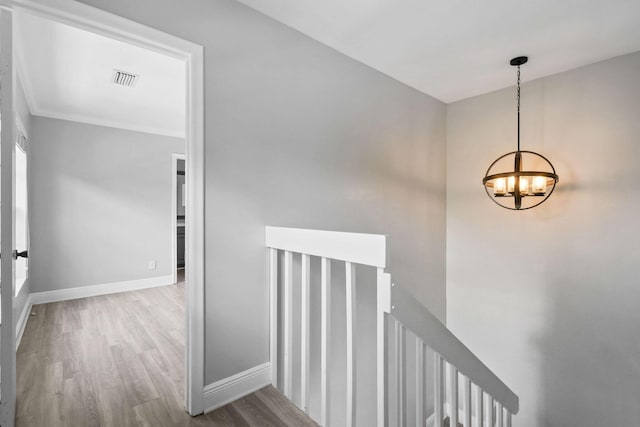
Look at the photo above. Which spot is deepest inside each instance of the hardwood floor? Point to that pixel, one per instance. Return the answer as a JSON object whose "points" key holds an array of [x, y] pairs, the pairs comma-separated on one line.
{"points": [[117, 360]]}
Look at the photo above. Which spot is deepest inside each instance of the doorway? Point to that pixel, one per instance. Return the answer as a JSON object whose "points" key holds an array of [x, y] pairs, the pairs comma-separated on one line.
{"points": [[178, 214], [99, 22]]}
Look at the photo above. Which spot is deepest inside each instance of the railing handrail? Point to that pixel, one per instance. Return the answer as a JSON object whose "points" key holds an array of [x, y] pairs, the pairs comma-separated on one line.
{"points": [[358, 248], [426, 326]]}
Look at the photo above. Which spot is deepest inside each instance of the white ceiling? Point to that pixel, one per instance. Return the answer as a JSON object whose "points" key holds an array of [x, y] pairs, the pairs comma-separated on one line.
{"points": [[66, 73], [454, 49]]}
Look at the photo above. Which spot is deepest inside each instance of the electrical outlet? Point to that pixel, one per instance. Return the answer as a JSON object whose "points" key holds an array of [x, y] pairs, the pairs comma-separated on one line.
{"points": [[152, 265]]}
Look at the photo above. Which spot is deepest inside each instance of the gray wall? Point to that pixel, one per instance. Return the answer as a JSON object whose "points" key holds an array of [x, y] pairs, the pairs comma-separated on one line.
{"points": [[100, 204], [299, 135], [549, 298]]}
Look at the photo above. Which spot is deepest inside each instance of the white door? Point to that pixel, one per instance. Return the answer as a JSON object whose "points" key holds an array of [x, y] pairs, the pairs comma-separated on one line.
{"points": [[7, 225]]}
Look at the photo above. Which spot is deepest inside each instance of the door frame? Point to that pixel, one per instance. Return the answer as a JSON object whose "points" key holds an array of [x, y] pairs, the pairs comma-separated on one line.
{"points": [[104, 23], [174, 211], [7, 212]]}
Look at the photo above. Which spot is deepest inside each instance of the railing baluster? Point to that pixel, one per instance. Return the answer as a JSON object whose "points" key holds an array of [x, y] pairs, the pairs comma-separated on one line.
{"points": [[479, 406], [396, 370], [420, 383], [401, 374], [508, 418], [351, 300], [466, 393], [453, 395], [382, 346], [489, 411], [305, 332], [288, 324], [273, 318], [499, 415], [325, 353], [437, 391]]}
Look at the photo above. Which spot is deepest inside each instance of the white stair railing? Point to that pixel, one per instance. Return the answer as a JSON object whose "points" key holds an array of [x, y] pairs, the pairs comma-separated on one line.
{"points": [[454, 364], [485, 400]]}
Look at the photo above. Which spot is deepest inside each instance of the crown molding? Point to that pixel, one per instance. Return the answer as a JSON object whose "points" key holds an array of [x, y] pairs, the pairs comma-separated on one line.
{"points": [[51, 114]]}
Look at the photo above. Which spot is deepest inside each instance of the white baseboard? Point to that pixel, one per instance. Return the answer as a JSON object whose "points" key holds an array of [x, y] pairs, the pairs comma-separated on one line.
{"points": [[239, 385], [102, 289], [21, 324]]}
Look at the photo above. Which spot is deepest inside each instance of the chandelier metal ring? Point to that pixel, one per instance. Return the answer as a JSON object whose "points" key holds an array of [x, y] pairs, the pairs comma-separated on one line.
{"points": [[550, 180]]}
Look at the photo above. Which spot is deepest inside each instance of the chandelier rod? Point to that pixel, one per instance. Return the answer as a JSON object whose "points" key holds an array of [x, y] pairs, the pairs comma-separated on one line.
{"points": [[518, 107]]}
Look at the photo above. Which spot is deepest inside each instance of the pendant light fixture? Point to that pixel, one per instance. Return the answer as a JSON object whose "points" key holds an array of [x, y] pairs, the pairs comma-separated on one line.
{"points": [[520, 179]]}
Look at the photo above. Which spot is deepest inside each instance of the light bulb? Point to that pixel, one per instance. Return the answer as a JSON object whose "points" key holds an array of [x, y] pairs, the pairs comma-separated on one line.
{"points": [[511, 184], [539, 184], [499, 187], [524, 185]]}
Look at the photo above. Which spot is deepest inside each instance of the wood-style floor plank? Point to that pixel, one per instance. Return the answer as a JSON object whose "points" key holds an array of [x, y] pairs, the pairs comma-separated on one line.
{"points": [[118, 361], [282, 407]]}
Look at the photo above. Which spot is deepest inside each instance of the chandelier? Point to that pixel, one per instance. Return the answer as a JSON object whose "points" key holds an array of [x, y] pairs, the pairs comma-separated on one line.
{"points": [[520, 179]]}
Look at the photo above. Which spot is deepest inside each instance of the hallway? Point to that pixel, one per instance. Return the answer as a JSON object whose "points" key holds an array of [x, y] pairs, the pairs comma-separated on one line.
{"points": [[117, 360]]}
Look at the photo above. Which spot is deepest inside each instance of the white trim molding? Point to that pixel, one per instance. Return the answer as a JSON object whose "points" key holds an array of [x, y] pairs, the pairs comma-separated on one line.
{"points": [[97, 290], [194, 232], [227, 390]]}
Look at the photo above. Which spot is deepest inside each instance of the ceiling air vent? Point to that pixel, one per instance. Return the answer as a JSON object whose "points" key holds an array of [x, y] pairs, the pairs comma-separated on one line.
{"points": [[124, 78]]}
